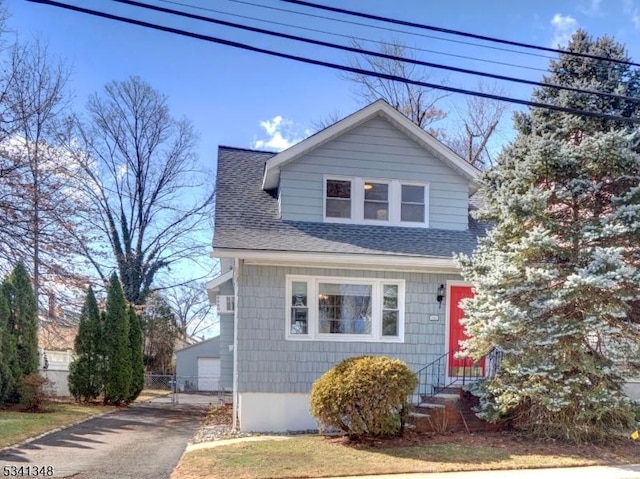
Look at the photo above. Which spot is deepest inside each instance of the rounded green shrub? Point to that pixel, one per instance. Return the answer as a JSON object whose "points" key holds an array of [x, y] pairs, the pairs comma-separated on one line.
{"points": [[364, 396]]}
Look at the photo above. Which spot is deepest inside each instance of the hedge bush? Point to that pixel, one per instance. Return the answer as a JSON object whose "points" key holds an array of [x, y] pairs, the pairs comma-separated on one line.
{"points": [[364, 396]]}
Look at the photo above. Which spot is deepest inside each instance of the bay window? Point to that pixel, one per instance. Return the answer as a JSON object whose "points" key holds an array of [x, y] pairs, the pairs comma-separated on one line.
{"points": [[345, 309]]}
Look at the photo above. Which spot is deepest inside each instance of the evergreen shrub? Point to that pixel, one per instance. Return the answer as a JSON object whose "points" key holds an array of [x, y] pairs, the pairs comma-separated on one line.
{"points": [[85, 371], [364, 396]]}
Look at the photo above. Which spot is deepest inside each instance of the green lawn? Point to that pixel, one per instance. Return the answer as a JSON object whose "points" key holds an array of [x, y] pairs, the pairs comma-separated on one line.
{"points": [[17, 426], [315, 456]]}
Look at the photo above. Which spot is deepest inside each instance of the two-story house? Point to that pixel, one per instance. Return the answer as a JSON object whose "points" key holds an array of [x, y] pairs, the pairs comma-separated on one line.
{"points": [[338, 246]]}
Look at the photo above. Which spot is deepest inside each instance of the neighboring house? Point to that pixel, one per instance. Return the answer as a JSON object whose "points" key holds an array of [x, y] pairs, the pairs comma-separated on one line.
{"points": [[339, 246], [198, 367], [56, 338]]}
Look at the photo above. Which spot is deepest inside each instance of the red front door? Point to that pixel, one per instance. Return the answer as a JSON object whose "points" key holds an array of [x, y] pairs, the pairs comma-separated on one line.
{"points": [[460, 367]]}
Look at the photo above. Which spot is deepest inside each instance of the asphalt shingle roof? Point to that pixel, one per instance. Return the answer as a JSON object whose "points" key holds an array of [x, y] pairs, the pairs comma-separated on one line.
{"points": [[246, 217]]}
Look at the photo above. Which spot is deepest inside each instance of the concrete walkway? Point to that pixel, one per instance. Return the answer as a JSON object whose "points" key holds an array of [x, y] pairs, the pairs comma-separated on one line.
{"points": [[590, 472]]}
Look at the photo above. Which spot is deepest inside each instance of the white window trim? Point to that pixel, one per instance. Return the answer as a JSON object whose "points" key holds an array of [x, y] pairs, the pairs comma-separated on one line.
{"points": [[376, 309], [357, 202], [398, 202], [324, 199]]}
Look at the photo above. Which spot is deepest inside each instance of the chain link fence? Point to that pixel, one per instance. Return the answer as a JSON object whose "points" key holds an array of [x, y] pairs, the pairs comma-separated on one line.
{"points": [[159, 381], [209, 388]]}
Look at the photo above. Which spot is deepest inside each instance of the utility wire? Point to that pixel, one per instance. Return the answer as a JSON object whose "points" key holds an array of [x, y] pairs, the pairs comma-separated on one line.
{"points": [[361, 51], [351, 37], [368, 25], [336, 66], [453, 32]]}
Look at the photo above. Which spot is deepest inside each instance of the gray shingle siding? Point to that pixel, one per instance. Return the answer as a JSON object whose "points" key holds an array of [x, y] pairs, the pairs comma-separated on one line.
{"points": [[269, 363], [226, 353], [226, 341]]}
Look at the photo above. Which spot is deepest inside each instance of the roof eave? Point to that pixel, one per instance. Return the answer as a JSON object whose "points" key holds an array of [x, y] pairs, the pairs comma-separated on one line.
{"points": [[342, 260], [213, 286]]}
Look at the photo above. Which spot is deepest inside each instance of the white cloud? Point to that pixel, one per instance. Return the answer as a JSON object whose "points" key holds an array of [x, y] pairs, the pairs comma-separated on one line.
{"points": [[590, 7], [563, 27], [281, 134], [633, 13]]}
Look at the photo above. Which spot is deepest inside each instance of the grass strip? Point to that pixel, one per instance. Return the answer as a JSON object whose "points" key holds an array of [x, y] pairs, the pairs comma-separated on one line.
{"points": [[16, 426]]}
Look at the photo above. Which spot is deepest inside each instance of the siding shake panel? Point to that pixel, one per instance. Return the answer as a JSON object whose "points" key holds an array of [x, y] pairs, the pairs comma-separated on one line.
{"points": [[273, 364]]}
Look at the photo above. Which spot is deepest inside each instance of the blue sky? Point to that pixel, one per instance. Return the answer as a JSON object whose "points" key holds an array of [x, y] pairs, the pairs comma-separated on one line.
{"points": [[233, 96]]}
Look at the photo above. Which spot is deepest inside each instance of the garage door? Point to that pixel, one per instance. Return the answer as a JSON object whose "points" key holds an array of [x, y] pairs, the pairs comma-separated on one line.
{"points": [[208, 374]]}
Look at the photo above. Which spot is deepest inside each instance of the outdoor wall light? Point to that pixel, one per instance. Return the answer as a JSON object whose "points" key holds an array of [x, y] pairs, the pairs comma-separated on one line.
{"points": [[440, 296]]}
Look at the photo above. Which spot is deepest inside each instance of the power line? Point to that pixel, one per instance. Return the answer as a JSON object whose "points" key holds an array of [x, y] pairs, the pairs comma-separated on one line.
{"points": [[352, 37], [334, 65], [422, 35], [371, 52], [453, 32]]}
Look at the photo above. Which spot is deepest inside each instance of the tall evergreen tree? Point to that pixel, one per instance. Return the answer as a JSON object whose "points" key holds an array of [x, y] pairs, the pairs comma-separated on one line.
{"points": [[85, 372], [556, 279], [23, 319], [117, 373], [8, 356], [137, 360]]}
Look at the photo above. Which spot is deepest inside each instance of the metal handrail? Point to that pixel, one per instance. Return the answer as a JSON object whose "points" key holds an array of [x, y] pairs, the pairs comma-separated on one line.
{"points": [[432, 378]]}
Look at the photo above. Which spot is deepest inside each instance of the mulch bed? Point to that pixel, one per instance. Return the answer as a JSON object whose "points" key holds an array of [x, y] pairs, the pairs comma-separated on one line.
{"points": [[616, 450]]}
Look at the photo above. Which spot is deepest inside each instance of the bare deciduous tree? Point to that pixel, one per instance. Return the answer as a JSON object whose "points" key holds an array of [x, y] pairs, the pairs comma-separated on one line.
{"points": [[479, 123], [37, 204], [191, 307], [334, 117], [38, 100], [417, 103], [150, 201]]}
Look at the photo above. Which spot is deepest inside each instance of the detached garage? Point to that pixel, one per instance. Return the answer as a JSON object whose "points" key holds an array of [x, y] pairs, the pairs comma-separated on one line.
{"points": [[198, 367]]}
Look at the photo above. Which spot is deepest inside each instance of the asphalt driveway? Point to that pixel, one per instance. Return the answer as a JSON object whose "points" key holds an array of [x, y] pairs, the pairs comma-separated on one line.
{"points": [[143, 441]]}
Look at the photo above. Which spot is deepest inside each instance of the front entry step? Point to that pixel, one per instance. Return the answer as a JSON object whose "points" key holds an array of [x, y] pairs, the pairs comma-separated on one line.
{"points": [[448, 411], [442, 394]]}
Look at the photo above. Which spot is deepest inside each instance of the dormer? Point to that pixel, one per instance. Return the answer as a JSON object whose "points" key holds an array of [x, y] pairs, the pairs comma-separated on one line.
{"points": [[374, 167]]}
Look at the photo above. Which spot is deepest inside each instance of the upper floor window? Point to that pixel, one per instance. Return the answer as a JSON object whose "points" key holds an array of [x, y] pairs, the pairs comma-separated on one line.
{"points": [[338, 202], [412, 206], [376, 201]]}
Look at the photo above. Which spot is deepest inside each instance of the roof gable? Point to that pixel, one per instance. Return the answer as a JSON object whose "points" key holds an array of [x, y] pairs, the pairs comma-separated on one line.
{"points": [[379, 108], [211, 341]]}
